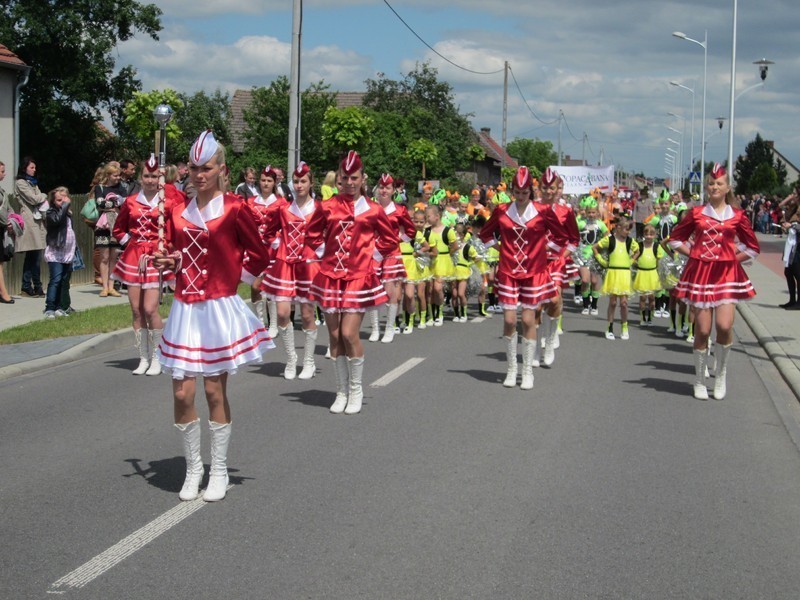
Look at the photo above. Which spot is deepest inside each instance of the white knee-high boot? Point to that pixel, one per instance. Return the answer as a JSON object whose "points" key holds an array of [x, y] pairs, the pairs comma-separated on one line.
{"points": [[375, 327], [700, 359], [143, 345], [258, 309], [190, 436], [355, 367], [388, 333], [720, 386], [528, 351], [511, 359], [287, 335], [551, 335], [309, 367], [218, 474], [342, 384], [272, 311], [155, 340]]}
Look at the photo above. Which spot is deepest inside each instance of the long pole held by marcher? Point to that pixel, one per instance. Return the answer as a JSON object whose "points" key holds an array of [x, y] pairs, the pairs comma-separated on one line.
{"points": [[162, 114]]}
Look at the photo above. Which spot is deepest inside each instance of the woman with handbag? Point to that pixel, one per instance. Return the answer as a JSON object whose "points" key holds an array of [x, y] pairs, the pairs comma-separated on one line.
{"points": [[33, 205], [5, 235], [108, 196]]}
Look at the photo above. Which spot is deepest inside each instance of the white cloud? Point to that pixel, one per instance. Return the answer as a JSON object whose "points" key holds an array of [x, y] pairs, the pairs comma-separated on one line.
{"points": [[606, 65]]}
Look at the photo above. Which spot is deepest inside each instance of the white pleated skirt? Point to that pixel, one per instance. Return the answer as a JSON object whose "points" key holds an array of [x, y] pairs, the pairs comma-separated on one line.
{"points": [[204, 339]]}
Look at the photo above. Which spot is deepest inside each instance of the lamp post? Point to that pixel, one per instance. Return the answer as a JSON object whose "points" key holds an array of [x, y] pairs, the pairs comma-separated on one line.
{"points": [[691, 144], [677, 161], [763, 68], [704, 46]]}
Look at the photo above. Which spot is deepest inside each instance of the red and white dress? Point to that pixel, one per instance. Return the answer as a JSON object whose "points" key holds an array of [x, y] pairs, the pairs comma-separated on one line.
{"points": [[349, 235], [563, 269], [210, 330], [713, 276], [288, 278], [392, 268], [522, 277], [136, 228], [265, 211]]}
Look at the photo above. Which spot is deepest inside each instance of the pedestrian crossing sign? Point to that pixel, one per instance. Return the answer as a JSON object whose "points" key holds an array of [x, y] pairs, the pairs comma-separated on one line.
{"points": [[694, 177]]}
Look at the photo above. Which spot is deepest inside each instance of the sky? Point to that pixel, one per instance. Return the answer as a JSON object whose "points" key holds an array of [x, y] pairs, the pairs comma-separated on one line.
{"points": [[607, 65]]}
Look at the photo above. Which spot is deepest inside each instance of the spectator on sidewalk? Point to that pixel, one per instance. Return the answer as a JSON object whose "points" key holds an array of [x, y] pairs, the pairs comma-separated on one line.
{"points": [[33, 205], [109, 195], [642, 210], [791, 257], [128, 177], [60, 250]]}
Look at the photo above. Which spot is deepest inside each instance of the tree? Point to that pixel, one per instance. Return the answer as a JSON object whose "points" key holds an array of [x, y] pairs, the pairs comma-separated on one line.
{"points": [[420, 106], [138, 133], [422, 151], [267, 123], [199, 112], [533, 153], [69, 46], [756, 153], [763, 181], [346, 129]]}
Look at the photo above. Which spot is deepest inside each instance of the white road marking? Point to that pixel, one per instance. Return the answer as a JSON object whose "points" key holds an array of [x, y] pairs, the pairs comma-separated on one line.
{"points": [[397, 372], [123, 549], [478, 320]]}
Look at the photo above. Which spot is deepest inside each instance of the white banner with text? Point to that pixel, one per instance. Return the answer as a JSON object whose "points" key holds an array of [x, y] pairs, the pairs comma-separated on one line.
{"points": [[582, 180]]}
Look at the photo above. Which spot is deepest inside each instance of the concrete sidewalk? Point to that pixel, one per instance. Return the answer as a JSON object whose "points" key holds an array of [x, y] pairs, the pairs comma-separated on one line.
{"points": [[17, 359], [777, 330]]}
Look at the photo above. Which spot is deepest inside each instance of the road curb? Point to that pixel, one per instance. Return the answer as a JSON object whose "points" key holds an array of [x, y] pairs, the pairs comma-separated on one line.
{"points": [[786, 366], [104, 342]]}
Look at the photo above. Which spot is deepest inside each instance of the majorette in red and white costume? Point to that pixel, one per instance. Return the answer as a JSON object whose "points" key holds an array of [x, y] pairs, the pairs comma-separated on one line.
{"points": [[210, 330], [350, 234], [391, 270], [288, 278], [137, 229], [713, 276], [522, 278], [562, 268], [265, 210]]}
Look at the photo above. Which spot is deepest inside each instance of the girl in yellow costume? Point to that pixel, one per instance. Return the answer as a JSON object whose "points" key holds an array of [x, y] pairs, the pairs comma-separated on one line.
{"points": [[443, 243], [467, 256], [417, 275], [621, 250], [647, 281]]}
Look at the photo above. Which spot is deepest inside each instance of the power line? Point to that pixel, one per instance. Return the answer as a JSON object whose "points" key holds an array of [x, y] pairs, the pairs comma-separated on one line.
{"points": [[432, 49], [568, 129], [535, 116]]}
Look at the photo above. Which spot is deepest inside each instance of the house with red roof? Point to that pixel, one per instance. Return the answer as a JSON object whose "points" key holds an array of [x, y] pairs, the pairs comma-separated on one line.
{"points": [[13, 74]]}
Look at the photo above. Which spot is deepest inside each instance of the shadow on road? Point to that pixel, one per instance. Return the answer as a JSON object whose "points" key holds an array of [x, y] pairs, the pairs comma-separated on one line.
{"points": [[126, 364], [668, 366], [320, 398], [487, 376], [669, 386], [167, 474]]}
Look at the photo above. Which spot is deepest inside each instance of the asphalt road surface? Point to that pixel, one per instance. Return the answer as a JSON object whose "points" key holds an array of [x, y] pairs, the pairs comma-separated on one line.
{"points": [[607, 480]]}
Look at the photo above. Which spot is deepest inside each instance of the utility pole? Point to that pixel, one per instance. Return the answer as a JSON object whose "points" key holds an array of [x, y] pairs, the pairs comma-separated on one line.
{"points": [[560, 120], [294, 90], [583, 151], [505, 113]]}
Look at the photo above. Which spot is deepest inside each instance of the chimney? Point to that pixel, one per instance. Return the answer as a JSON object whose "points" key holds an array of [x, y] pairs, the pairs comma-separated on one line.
{"points": [[487, 131]]}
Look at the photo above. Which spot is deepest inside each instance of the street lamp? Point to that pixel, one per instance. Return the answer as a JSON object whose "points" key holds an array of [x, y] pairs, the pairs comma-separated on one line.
{"points": [[691, 145], [680, 154], [704, 46]]}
